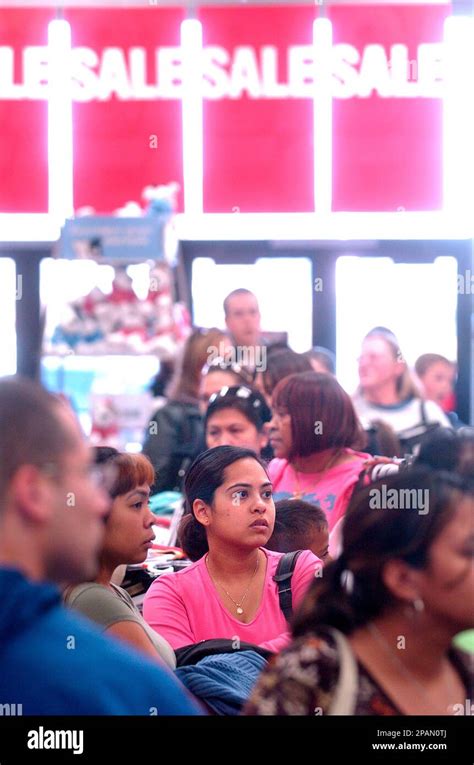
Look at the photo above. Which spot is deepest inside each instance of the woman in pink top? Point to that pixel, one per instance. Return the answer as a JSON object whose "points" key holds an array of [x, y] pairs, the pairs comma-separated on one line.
{"points": [[229, 592], [314, 431]]}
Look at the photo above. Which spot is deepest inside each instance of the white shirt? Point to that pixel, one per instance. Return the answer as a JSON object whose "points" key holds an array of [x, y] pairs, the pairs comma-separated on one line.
{"points": [[400, 416]]}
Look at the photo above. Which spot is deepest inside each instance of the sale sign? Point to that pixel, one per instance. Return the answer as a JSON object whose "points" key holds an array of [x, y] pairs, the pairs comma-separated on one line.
{"points": [[23, 119], [387, 136], [258, 72]]}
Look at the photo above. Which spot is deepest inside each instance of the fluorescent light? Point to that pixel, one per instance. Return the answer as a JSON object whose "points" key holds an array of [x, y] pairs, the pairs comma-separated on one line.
{"points": [[322, 115], [60, 156], [458, 116], [28, 227], [192, 115], [341, 226]]}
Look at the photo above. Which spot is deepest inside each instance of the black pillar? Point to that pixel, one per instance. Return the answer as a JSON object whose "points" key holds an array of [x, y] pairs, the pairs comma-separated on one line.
{"points": [[324, 299], [28, 324]]}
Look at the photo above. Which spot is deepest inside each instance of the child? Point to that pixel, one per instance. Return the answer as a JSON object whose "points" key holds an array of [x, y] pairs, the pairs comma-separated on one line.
{"points": [[300, 525]]}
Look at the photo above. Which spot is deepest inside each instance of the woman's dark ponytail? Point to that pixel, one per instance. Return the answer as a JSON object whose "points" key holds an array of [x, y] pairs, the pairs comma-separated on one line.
{"points": [[192, 537], [331, 600]]}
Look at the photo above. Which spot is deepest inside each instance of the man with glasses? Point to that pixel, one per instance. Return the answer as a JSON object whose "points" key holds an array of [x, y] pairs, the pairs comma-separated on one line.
{"points": [[51, 525]]}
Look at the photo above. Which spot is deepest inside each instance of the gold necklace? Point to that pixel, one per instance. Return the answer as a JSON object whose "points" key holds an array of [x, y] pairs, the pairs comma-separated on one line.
{"points": [[396, 661], [298, 494], [238, 605]]}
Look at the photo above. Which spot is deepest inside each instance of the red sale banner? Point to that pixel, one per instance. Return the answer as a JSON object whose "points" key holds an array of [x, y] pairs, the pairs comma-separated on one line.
{"points": [[127, 118], [258, 79], [387, 130], [23, 119], [258, 136]]}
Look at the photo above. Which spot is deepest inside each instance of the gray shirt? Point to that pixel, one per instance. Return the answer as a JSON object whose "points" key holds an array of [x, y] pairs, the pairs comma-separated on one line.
{"points": [[107, 606]]}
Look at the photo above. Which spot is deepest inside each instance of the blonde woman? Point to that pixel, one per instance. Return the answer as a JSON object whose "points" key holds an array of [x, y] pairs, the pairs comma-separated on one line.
{"points": [[387, 391]]}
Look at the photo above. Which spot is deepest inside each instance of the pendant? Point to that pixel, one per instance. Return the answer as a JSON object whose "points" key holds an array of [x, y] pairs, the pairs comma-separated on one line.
{"points": [[240, 610]]}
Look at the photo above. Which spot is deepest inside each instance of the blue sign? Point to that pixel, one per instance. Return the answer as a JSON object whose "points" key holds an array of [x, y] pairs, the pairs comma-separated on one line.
{"points": [[113, 238]]}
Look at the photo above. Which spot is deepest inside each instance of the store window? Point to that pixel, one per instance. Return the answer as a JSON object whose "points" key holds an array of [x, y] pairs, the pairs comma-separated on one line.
{"points": [[11, 290], [416, 301], [282, 286]]}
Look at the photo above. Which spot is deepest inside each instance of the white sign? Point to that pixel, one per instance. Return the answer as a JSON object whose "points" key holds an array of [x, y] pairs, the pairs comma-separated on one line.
{"points": [[128, 74]]}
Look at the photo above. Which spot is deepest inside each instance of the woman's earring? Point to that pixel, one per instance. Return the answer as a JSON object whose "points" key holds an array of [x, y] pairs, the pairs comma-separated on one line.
{"points": [[419, 605]]}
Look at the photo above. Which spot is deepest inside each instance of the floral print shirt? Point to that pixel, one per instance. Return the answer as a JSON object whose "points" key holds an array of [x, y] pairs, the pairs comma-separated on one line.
{"points": [[302, 679]]}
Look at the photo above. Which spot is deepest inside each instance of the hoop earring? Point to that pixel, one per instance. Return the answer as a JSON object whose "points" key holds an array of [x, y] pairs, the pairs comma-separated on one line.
{"points": [[419, 605]]}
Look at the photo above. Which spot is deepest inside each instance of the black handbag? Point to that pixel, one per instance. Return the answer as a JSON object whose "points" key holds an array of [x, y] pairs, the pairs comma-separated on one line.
{"points": [[412, 438]]}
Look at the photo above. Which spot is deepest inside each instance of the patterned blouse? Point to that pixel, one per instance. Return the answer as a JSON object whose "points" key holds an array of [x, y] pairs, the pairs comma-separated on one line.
{"points": [[301, 681]]}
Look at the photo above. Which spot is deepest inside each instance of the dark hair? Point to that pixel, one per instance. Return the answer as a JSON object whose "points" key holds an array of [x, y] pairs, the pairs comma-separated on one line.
{"points": [[325, 357], [314, 397], [245, 400], [103, 454], [426, 360], [381, 440], [204, 476], [372, 536], [295, 523], [31, 431], [236, 293], [282, 363], [163, 378], [447, 449], [132, 469]]}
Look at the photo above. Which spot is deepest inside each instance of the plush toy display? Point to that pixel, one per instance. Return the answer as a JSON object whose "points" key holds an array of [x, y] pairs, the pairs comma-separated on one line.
{"points": [[160, 198], [121, 322], [105, 428]]}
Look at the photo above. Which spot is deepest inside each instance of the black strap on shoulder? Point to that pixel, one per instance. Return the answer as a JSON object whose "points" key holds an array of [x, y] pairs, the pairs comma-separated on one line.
{"points": [[282, 577], [424, 417]]}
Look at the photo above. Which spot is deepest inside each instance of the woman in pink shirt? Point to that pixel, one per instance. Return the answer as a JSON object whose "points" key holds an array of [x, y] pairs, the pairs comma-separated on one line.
{"points": [[229, 592], [314, 432]]}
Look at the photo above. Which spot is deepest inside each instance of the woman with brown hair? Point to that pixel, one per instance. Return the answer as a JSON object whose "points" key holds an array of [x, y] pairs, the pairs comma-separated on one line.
{"points": [[280, 362], [127, 539], [374, 634], [314, 433], [175, 432]]}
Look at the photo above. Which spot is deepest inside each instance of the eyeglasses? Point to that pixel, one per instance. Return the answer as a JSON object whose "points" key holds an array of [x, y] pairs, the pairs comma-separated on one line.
{"points": [[101, 476]]}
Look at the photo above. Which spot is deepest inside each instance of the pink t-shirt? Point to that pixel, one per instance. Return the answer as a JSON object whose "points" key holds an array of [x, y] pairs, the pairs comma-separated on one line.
{"points": [[332, 492], [184, 607]]}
